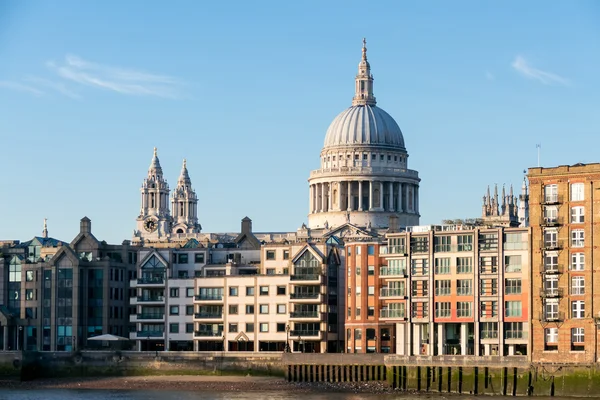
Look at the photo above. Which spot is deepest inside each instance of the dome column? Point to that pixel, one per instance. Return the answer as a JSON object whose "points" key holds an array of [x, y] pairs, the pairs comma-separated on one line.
{"points": [[329, 197], [349, 208], [400, 197], [381, 208], [370, 195], [416, 199], [391, 194], [360, 196]]}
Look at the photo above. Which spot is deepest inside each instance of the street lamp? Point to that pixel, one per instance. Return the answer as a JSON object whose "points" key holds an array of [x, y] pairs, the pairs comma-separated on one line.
{"points": [[287, 338]]}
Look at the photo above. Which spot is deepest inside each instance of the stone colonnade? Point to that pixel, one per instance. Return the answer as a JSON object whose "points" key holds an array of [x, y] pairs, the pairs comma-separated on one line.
{"points": [[364, 196]]}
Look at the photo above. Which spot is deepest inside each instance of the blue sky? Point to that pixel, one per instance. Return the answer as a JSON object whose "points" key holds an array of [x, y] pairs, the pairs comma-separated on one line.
{"points": [[246, 90]]}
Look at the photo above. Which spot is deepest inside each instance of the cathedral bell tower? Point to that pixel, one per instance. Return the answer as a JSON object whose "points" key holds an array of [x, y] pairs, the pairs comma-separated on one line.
{"points": [[154, 220], [184, 205]]}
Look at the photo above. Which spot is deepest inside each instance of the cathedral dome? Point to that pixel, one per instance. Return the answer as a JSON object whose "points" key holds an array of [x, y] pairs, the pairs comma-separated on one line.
{"points": [[364, 124]]}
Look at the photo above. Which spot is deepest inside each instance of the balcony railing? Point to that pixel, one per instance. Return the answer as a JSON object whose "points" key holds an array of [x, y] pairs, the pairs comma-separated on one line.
{"points": [[387, 271], [150, 316], [208, 333], [391, 313], [152, 334], [552, 269], [488, 269], [208, 315], [307, 333], [552, 317], [392, 292], [396, 249], [304, 295], [151, 280], [420, 270], [150, 298], [550, 199], [515, 334], [489, 334], [464, 291], [207, 297], [304, 314], [550, 221], [305, 277], [551, 244], [554, 292]]}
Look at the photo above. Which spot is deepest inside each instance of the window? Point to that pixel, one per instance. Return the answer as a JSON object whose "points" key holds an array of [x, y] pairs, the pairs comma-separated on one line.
{"points": [[419, 244], [577, 215], [550, 214], [464, 287], [464, 265], [577, 192], [270, 254], [357, 270], [463, 309], [420, 266], [512, 286], [514, 241], [281, 290], [577, 261], [577, 335], [489, 309], [551, 310], [181, 258], [488, 287], [264, 308], [442, 288], [189, 310], [270, 271], [551, 262], [189, 328], [174, 310], [174, 328], [358, 290], [442, 265], [551, 193], [199, 258], [29, 276], [174, 292], [249, 290], [371, 290], [577, 285], [512, 309], [233, 290], [357, 334], [233, 328], [371, 270], [264, 290], [29, 294], [233, 309], [189, 292], [488, 265], [286, 254], [488, 241], [370, 250], [578, 309], [551, 335], [370, 311], [577, 238], [264, 327], [250, 327], [281, 327], [357, 313], [281, 308], [349, 251], [249, 308], [465, 242], [442, 309], [512, 263]]}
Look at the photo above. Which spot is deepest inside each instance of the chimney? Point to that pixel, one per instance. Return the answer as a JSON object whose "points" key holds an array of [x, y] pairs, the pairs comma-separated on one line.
{"points": [[85, 226], [394, 224], [246, 225]]}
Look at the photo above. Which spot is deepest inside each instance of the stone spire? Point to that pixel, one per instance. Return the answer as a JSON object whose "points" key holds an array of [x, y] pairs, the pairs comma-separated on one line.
{"points": [[363, 92], [184, 178], [155, 170], [184, 205], [45, 231]]}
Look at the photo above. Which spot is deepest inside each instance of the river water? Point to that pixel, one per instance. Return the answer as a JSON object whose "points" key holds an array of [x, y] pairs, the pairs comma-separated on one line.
{"points": [[72, 394]]}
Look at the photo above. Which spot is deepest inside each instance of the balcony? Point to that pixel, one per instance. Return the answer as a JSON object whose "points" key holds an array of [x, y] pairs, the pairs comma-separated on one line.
{"points": [[390, 313], [150, 334], [305, 333], [305, 314], [392, 272], [550, 221], [208, 297], [508, 335], [209, 334], [396, 250], [549, 245], [304, 297], [208, 315], [147, 317], [151, 299], [151, 281], [392, 292], [553, 269], [308, 278], [551, 199], [489, 335], [552, 317], [551, 293]]}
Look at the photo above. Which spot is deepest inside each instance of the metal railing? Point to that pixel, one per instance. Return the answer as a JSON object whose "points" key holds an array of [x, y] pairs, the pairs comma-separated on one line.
{"points": [[391, 313], [392, 292], [305, 333], [150, 316], [550, 221], [305, 277], [208, 333], [552, 317], [549, 199], [304, 314], [489, 335], [396, 249], [515, 334], [393, 271], [208, 315], [150, 298], [553, 269], [551, 292], [143, 334], [551, 244], [208, 297], [151, 280], [304, 295]]}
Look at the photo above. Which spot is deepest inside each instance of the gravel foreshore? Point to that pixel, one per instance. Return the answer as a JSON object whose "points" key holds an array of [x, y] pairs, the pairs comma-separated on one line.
{"points": [[197, 383]]}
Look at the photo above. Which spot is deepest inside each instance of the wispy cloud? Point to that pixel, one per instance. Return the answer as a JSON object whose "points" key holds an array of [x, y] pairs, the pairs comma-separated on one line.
{"points": [[527, 70], [56, 86], [20, 87], [121, 80]]}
